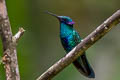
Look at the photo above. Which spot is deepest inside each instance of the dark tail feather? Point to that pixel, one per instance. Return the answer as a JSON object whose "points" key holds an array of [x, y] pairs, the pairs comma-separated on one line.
{"points": [[84, 67]]}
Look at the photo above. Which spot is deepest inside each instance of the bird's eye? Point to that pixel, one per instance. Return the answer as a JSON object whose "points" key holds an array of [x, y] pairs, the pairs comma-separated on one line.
{"points": [[65, 19]]}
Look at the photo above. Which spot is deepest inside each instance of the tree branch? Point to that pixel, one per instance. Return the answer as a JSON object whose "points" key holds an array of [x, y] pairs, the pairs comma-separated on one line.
{"points": [[97, 34], [17, 36], [9, 45]]}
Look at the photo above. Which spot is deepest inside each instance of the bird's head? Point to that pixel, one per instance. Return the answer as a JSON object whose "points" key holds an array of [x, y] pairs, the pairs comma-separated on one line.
{"points": [[63, 19]]}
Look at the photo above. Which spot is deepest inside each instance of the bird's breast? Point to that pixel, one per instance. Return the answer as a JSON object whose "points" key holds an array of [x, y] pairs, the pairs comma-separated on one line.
{"points": [[68, 42]]}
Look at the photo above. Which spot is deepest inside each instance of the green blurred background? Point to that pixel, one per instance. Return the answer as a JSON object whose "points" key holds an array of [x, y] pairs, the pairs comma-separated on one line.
{"points": [[40, 46]]}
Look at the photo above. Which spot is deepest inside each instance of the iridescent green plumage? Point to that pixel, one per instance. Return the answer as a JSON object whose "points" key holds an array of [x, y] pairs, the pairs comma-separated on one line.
{"points": [[69, 39]]}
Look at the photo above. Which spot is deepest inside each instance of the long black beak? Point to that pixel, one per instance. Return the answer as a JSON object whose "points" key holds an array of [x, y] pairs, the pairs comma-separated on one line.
{"points": [[53, 14]]}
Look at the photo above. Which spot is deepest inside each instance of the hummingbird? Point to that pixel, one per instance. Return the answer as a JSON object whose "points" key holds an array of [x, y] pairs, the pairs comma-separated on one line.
{"points": [[70, 38]]}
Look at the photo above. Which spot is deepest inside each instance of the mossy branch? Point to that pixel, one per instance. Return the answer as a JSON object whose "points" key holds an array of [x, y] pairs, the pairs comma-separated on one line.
{"points": [[9, 42]]}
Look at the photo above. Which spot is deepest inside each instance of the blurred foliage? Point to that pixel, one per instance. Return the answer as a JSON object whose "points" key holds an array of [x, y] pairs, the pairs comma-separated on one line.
{"points": [[40, 46]]}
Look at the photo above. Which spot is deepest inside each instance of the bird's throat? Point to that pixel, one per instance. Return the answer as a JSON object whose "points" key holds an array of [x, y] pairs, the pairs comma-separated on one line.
{"points": [[65, 30]]}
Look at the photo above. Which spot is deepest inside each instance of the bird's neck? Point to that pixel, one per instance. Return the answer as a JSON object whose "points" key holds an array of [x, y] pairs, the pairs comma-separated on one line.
{"points": [[65, 30]]}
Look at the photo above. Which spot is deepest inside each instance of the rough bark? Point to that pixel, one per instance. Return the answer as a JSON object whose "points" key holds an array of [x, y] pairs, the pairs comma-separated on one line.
{"points": [[9, 45]]}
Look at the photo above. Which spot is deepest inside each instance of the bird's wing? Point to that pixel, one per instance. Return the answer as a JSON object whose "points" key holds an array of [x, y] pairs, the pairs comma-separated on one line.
{"points": [[76, 36], [81, 63]]}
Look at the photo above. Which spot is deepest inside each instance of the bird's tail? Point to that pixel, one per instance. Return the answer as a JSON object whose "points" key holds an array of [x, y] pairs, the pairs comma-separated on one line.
{"points": [[84, 67]]}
